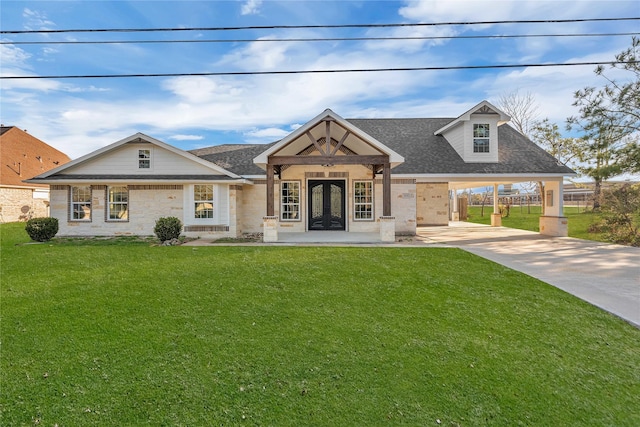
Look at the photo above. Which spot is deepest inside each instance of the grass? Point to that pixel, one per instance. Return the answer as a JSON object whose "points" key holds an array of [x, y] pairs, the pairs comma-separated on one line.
{"points": [[133, 334], [525, 218]]}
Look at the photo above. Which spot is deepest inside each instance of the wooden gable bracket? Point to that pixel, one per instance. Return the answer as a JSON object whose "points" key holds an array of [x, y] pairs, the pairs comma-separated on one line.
{"points": [[314, 142], [378, 163]]}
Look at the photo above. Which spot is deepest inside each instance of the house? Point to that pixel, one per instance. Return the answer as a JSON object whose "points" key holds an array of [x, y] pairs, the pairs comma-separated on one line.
{"points": [[24, 156], [385, 176]]}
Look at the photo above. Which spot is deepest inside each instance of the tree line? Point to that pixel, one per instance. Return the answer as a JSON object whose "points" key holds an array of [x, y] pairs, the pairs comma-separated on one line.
{"points": [[608, 125]]}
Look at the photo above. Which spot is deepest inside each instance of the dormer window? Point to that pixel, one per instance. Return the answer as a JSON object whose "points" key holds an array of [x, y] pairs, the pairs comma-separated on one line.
{"points": [[144, 159], [481, 138]]}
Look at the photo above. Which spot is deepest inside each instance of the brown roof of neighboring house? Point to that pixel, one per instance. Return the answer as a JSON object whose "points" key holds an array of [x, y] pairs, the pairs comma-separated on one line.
{"points": [[23, 156]]}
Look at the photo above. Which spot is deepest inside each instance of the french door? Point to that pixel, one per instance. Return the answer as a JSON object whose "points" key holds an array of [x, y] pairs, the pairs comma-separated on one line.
{"points": [[326, 205]]}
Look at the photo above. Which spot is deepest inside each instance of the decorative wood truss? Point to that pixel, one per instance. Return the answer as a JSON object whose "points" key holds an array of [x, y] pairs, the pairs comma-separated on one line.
{"points": [[330, 152]]}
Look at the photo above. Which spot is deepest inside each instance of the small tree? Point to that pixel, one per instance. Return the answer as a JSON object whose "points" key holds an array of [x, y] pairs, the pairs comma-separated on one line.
{"points": [[621, 215], [609, 118], [168, 228], [42, 229]]}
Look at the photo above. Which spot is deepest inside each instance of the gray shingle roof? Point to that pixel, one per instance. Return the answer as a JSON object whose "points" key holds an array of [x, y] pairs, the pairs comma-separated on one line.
{"points": [[424, 152], [140, 177], [236, 158]]}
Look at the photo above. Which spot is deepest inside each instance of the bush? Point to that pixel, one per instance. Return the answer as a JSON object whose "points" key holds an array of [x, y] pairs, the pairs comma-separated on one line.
{"points": [[621, 215], [42, 229], [168, 228]]}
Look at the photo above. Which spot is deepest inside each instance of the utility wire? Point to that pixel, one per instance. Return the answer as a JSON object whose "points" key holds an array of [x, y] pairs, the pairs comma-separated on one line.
{"points": [[322, 39], [280, 27], [364, 70]]}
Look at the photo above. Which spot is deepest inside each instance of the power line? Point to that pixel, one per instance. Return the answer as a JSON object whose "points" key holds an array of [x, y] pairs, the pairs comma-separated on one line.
{"points": [[354, 70], [319, 39], [281, 27]]}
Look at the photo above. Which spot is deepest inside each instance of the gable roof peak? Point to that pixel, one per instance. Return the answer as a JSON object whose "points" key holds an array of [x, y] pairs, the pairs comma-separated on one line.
{"points": [[262, 159], [484, 107], [137, 137]]}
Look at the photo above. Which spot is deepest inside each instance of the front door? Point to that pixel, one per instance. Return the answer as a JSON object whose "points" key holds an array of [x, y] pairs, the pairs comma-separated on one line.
{"points": [[326, 205]]}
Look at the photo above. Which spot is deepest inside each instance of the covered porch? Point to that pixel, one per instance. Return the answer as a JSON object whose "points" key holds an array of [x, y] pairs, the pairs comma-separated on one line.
{"points": [[326, 173]]}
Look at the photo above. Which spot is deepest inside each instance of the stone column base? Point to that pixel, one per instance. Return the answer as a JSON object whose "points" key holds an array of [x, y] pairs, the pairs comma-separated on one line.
{"points": [[557, 226], [270, 229], [496, 220], [455, 216], [388, 228]]}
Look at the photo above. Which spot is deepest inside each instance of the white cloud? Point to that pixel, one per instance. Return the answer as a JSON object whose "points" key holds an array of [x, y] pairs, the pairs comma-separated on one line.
{"points": [[266, 134], [13, 56], [491, 10], [77, 119], [36, 20], [251, 7], [181, 137]]}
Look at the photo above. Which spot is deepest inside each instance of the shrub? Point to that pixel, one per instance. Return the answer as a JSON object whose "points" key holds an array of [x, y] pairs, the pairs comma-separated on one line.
{"points": [[168, 228], [42, 229], [621, 215]]}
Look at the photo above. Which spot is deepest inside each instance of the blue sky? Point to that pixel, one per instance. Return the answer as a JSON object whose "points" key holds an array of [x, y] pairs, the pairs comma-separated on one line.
{"points": [[78, 116]]}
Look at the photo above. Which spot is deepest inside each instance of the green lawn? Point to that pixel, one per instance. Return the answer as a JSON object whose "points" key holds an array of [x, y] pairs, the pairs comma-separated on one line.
{"points": [[125, 333], [527, 218]]}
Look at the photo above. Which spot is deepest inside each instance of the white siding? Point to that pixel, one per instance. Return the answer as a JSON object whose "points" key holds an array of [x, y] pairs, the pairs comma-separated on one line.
{"points": [[220, 209], [461, 139], [456, 138], [492, 155], [124, 160]]}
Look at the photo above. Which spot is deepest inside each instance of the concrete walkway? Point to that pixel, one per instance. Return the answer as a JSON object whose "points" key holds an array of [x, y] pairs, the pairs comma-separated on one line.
{"points": [[605, 275]]}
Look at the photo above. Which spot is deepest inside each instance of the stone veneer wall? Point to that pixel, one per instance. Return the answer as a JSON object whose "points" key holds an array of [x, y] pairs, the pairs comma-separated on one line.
{"points": [[20, 204], [432, 203], [147, 203], [403, 195]]}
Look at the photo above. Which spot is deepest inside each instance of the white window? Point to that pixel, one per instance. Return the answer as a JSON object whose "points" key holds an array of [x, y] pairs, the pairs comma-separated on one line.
{"points": [[290, 201], [80, 205], [203, 201], [118, 204], [362, 200], [481, 138], [144, 159]]}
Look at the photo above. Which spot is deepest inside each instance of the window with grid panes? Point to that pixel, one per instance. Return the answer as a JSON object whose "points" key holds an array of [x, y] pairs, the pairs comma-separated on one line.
{"points": [[363, 200], [290, 201], [118, 204], [203, 201], [481, 138], [80, 203]]}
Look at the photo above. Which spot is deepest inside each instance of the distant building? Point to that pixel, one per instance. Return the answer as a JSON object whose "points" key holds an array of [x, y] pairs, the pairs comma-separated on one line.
{"points": [[583, 191], [23, 157]]}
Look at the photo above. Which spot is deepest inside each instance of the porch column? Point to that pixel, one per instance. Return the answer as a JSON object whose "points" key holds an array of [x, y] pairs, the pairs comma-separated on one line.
{"points": [[270, 190], [386, 190], [496, 218], [553, 222]]}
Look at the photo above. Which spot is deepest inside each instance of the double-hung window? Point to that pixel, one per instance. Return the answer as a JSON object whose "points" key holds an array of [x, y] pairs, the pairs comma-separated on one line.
{"points": [[118, 204], [203, 201], [80, 198], [144, 159], [363, 200], [481, 138], [290, 201]]}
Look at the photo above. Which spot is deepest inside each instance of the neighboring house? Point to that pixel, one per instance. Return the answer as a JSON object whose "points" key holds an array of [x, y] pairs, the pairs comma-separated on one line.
{"points": [[23, 157], [361, 175]]}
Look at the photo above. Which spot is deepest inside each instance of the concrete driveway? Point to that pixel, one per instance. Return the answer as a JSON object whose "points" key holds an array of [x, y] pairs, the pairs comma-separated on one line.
{"points": [[607, 276]]}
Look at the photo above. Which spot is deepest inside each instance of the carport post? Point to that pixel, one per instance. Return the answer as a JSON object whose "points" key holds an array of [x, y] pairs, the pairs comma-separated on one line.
{"points": [[496, 218], [455, 214], [553, 222]]}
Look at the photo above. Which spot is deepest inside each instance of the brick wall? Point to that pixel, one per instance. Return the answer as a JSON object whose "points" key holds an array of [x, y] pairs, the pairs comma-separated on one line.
{"points": [[432, 203], [20, 204]]}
